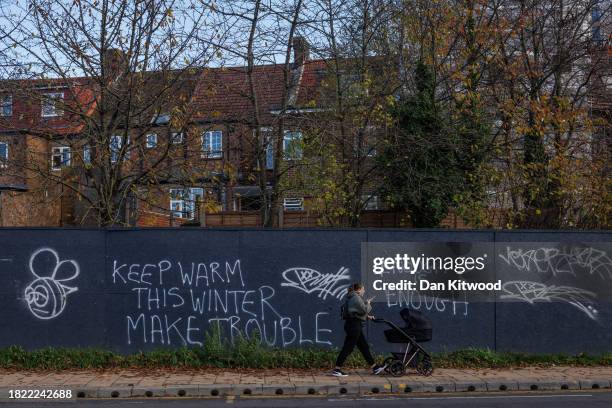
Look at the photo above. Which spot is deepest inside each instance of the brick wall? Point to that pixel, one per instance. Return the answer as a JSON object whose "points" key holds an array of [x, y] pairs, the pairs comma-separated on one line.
{"points": [[41, 203]]}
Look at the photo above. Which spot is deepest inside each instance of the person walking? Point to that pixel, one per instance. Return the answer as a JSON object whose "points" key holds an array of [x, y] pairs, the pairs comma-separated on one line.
{"points": [[356, 311]]}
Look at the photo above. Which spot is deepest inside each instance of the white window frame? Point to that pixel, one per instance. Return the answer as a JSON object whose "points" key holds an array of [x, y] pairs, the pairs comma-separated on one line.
{"points": [[270, 154], [371, 202], [4, 160], [176, 137], [60, 151], [288, 137], [293, 204], [151, 139], [207, 139], [49, 101], [7, 101], [190, 205], [178, 202], [184, 199], [118, 148], [87, 154], [268, 139]]}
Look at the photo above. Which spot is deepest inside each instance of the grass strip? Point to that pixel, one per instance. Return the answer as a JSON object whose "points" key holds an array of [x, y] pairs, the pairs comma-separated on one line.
{"points": [[251, 354]]}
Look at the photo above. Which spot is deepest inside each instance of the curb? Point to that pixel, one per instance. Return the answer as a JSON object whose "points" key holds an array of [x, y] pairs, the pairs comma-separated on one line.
{"points": [[392, 386]]}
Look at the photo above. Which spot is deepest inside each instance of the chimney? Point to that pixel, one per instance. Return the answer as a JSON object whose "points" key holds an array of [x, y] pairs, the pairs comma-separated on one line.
{"points": [[301, 51]]}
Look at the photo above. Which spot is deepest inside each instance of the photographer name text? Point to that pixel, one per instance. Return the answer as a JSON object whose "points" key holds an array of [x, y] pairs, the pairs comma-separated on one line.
{"points": [[424, 284]]}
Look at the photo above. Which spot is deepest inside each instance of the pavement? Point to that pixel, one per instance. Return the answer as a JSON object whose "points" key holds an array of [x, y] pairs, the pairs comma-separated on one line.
{"points": [[215, 383]]}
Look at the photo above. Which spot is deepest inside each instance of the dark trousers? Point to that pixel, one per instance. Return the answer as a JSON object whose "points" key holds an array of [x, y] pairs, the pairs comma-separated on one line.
{"points": [[354, 337]]}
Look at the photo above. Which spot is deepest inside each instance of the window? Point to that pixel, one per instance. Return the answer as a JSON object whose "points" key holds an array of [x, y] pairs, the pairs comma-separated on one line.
{"points": [[176, 137], [212, 144], [370, 202], [161, 119], [596, 34], [269, 154], [292, 145], [51, 104], [7, 106], [367, 149], [87, 154], [195, 195], [151, 140], [293, 204], [4, 153], [60, 157], [368, 142], [183, 201], [115, 147], [176, 202], [268, 145]]}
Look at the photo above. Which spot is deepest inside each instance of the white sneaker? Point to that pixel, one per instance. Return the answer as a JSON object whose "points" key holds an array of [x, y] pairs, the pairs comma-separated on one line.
{"points": [[377, 369], [336, 372]]}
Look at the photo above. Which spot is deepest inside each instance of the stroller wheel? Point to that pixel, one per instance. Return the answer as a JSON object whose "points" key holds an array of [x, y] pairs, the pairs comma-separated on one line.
{"points": [[387, 363], [424, 366], [396, 368]]}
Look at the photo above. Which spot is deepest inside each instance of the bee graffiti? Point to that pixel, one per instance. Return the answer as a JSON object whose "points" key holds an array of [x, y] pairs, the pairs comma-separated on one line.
{"points": [[46, 295]]}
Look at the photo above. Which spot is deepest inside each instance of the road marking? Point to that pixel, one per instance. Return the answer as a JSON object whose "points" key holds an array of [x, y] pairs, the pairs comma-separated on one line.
{"points": [[509, 396], [474, 397]]}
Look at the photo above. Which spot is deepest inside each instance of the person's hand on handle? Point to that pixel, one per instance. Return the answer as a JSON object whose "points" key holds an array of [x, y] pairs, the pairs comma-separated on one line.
{"points": [[370, 317]]}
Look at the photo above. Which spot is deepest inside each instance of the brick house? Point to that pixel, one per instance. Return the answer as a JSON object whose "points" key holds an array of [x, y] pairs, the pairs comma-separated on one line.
{"points": [[211, 160], [28, 110]]}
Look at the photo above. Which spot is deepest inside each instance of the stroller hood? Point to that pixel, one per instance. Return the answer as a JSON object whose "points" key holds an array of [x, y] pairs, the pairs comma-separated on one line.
{"points": [[415, 320], [418, 326]]}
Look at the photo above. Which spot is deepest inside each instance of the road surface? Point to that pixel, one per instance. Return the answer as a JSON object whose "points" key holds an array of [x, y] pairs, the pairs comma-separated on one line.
{"points": [[514, 400]]}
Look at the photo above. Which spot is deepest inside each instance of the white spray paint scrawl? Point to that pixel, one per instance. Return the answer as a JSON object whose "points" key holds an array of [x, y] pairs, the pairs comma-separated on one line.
{"points": [[312, 281], [46, 295], [534, 292]]}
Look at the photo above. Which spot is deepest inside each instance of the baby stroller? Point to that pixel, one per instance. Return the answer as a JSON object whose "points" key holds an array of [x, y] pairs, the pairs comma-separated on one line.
{"points": [[418, 329]]}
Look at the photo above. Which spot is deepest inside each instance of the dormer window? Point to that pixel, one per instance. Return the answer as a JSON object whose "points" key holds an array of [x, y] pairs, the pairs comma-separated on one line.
{"points": [[161, 119], [7, 105], [52, 104]]}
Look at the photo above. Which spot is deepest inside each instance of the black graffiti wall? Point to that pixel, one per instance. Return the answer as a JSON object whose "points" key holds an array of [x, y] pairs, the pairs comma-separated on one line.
{"points": [[130, 290]]}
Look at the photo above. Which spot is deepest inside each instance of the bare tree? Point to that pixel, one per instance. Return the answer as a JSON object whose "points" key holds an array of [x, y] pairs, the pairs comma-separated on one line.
{"points": [[359, 74], [113, 82], [260, 49]]}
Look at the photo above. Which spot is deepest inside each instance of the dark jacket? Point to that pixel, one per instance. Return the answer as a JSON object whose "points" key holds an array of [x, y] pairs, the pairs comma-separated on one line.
{"points": [[357, 308]]}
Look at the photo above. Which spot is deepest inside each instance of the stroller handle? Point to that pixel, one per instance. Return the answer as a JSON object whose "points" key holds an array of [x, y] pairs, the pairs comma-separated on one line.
{"points": [[379, 320]]}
